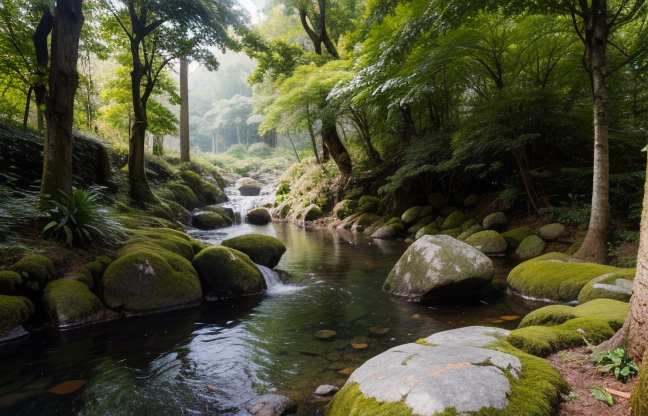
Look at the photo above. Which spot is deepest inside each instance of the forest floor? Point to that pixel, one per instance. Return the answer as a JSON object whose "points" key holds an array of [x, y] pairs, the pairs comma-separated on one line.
{"points": [[581, 374]]}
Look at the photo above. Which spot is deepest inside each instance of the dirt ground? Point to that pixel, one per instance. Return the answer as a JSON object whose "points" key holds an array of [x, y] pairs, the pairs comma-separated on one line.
{"points": [[581, 374]]}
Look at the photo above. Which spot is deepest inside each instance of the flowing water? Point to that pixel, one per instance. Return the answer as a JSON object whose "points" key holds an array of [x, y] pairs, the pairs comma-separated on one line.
{"points": [[213, 359]]}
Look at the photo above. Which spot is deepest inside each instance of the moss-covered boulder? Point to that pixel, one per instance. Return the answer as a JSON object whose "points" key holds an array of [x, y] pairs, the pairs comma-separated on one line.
{"points": [[436, 200], [70, 303], [531, 247], [227, 213], [258, 216], [9, 282], [181, 194], [451, 373], [453, 232], [544, 340], [205, 220], [167, 239], [496, 221], [438, 266], [344, 208], [261, 249], [147, 279], [471, 200], [488, 241], [205, 190], [368, 204], [411, 215], [36, 271], [14, 311], [312, 212], [228, 273], [639, 404], [423, 222], [555, 276], [363, 221], [180, 213], [426, 211], [470, 231], [392, 229], [515, 237], [454, 220], [430, 229], [551, 232], [447, 210], [81, 275], [617, 286], [612, 312]]}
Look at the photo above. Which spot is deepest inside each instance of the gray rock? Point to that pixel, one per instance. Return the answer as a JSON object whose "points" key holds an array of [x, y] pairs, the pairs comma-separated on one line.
{"points": [[271, 405], [530, 247], [551, 232], [496, 221], [488, 241], [385, 233], [436, 266], [326, 390], [249, 190], [471, 336]]}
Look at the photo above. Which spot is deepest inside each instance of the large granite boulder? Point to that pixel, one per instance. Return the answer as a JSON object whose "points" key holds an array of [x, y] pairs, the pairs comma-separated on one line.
{"points": [[258, 216], [437, 266], [488, 241], [146, 279], [261, 249], [228, 273], [454, 372], [70, 303]]}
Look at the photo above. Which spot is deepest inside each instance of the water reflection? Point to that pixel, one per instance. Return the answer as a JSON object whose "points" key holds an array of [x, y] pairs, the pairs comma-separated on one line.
{"points": [[214, 359]]}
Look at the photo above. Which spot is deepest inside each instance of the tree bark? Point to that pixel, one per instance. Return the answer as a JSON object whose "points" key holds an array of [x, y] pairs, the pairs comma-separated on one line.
{"points": [[63, 82], [338, 152], [184, 110], [594, 246]]}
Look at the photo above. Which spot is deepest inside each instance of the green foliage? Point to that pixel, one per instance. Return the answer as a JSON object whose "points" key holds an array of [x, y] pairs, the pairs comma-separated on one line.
{"points": [[602, 395], [79, 219], [618, 364], [569, 214], [239, 151]]}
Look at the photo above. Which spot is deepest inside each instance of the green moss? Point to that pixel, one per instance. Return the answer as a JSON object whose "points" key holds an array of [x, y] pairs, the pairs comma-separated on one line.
{"points": [[487, 241], [411, 215], [423, 222], [589, 292], [228, 272], [639, 404], [182, 194], [81, 275], [469, 224], [162, 238], [543, 340], [471, 200], [453, 232], [516, 236], [145, 279], [365, 220], [180, 213], [9, 281], [344, 208], [70, 302], [395, 223], [470, 231], [350, 401], [258, 216], [426, 211], [368, 204], [95, 268], [312, 212], [226, 213], [14, 311], [36, 271], [261, 249], [208, 221], [530, 247], [454, 220], [610, 311], [553, 276]]}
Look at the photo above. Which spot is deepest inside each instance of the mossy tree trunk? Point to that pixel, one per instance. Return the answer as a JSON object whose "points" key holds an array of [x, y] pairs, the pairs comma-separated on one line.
{"points": [[63, 82], [184, 110], [339, 153]]}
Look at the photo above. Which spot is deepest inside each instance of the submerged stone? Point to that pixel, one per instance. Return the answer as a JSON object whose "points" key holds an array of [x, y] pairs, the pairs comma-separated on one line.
{"points": [[271, 405]]}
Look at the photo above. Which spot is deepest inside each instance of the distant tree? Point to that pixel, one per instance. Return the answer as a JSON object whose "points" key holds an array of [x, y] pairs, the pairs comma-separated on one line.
{"points": [[184, 110]]}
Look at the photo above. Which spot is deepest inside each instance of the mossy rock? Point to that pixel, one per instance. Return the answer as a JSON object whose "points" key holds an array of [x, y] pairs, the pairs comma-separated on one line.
{"points": [[617, 286], [70, 303], [430, 229], [488, 241], [610, 311], [639, 404], [423, 222], [228, 273], [471, 200], [469, 224], [147, 279], [82, 275], [36, 271], [555, 276], [436, 200], [453, 232], [167, 239], [9, 282], [470, 231], [312, 212], [206, 192], [544, 340], [344, 208], [363, 221], [426, 211], [261, 249], [95, 268], [551, 232], [454, 220], [531, 247], [14, 311], [180, 213], [181, 194], [515, 237], [375, 226], [368, 204], [258, 216], [496, 221], [392, 229], [205, 220], [411, 215], [227, 213], [447, 210]]}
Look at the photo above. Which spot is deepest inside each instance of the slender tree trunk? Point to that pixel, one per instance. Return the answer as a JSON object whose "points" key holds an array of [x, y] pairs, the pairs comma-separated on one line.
{"points": [[332, 141], [594, 246], [41, 34], [158, 145], [184, 110], [63, 82], [313, 139]]}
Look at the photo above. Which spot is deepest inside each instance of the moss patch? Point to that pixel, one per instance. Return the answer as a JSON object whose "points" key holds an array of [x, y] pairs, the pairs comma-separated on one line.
{"points": [[228, 272], [515, 237], [163, 238], [543, 340], [261, 249], [82, 275], [258, 216], [609, 287], [208, 221], [181, 194], [454, 220], [368, 204], [350, 401], [610, 311], [69, 302], [14, 311], [487, 241], [554, 276], [9, 281], [36, 271]]}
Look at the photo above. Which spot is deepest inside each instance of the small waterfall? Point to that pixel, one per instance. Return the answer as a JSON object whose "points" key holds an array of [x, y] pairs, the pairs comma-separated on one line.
{"points": [[274, 284], [242, 204]]}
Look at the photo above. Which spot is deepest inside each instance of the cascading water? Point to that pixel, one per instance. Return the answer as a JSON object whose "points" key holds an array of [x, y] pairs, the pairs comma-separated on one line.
{"points": [[274, 284], [242, 204]]}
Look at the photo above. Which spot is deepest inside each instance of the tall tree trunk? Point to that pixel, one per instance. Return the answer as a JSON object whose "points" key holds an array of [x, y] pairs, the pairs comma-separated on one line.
{"points": [[41, 34], [63, 82], [338, 152], [312, 136], [594, 246], [184, 110]]}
